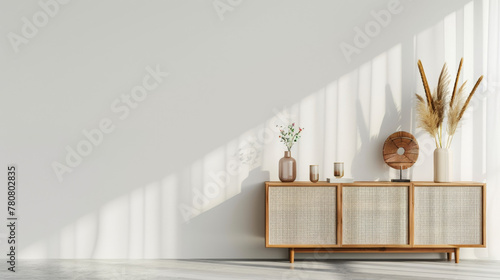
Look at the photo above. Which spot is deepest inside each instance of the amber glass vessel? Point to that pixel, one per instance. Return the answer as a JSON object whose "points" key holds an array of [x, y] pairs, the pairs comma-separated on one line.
{"points": [[287, 168], [314, 173], [338, 169]]}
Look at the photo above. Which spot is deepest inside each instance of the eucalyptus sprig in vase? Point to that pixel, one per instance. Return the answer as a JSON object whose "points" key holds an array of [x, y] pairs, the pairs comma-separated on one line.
{"points": [[287, 166], [433, 110]]}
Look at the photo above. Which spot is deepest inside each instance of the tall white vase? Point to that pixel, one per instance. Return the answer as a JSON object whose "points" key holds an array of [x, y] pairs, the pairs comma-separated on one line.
{"points": [[442, 165]]}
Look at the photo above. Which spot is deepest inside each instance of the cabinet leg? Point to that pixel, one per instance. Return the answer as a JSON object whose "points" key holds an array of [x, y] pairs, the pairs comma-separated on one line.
{"points": [[292, 255], [449, 256], [457, 255]]}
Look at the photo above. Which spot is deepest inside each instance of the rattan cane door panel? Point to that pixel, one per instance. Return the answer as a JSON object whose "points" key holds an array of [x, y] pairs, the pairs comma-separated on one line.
{"points": [[302, 215], [448, 215], [375, 215]]}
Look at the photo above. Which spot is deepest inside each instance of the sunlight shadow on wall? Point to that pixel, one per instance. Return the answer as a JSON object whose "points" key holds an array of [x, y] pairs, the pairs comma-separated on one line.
{"points": [[347, 120], [145, 223]]}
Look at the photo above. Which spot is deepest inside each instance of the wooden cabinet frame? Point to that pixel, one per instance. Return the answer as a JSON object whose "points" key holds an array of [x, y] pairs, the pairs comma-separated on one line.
{"points": [[411, 247]]}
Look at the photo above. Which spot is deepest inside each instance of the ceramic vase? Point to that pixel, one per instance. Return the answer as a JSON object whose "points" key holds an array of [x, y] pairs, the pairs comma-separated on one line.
{"points": [[442, 165]]}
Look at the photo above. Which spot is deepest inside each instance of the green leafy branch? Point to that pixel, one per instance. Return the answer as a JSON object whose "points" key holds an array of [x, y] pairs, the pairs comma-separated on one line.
{"points": [[290, 135]]}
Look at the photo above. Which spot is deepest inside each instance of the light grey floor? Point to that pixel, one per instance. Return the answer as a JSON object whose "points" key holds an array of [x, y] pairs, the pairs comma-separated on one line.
{"points": [[226, 269]]}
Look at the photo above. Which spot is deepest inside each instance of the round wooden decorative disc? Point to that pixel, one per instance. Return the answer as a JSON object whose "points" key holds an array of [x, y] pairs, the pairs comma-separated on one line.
{"points": [[409, 150]]}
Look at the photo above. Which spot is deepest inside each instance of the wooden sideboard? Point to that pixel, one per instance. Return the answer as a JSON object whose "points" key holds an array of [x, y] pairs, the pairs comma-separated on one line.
{"points": [[375, 217]]}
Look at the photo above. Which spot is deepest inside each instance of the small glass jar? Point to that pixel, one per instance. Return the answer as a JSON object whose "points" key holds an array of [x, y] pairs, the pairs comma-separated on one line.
{"points": [[338, 170], [314, 173]]}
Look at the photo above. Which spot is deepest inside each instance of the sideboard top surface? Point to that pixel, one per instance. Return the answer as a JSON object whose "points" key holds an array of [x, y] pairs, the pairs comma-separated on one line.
{"points": [[374, 183]]}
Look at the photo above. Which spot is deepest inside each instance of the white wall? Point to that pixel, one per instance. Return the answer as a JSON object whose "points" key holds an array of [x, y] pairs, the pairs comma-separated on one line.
{"points": [[181, 175]]}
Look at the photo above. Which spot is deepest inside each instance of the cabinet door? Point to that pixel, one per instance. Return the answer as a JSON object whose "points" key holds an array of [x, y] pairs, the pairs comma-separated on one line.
{"points": [[301, 216], [448, 215], [375, 215]]}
